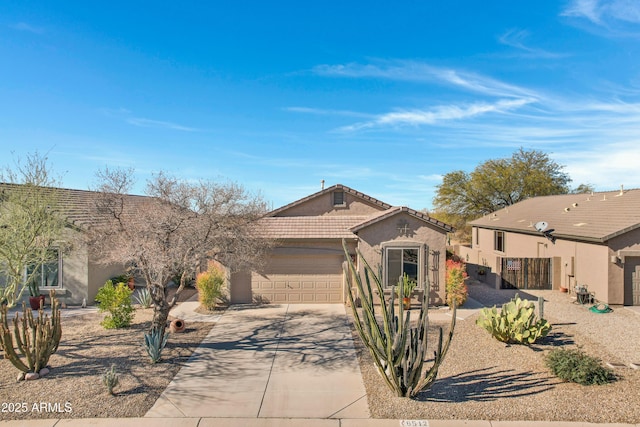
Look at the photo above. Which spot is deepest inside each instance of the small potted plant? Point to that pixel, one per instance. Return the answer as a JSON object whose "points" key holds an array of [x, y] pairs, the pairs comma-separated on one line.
{"points": [[408, 286], [35, 299]]}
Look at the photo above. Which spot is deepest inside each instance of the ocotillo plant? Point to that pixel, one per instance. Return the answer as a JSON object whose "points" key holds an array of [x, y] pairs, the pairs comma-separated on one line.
{"points": [[36, 339], [398, 349]]}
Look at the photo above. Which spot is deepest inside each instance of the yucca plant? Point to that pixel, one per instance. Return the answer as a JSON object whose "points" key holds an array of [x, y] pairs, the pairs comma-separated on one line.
{"points": [[398, 349]]}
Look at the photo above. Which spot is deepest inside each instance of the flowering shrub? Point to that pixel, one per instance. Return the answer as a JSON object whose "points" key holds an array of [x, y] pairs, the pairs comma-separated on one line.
{"points": [[210, 285], [455, 286]]}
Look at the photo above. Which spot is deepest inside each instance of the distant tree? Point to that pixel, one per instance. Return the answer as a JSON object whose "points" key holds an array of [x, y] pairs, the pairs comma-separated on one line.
{"points": [[173, 231], [583, 189], [30, 224], [497, 183]]}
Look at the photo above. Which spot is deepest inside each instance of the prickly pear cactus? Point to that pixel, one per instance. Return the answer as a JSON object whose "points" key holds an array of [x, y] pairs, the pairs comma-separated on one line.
{"points": [[515, 324]]}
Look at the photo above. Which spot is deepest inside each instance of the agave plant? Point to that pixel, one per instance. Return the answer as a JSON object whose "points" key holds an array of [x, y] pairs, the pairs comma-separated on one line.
{"points": [[154, 343], [399, 350], [143, 298]]}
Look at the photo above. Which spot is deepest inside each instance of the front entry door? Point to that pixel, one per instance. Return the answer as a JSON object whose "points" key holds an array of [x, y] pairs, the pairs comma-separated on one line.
{"points": [[632, 281]]}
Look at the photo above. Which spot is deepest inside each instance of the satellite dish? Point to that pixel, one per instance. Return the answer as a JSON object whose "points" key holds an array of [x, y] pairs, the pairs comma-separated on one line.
{"points": [[541, 226]]}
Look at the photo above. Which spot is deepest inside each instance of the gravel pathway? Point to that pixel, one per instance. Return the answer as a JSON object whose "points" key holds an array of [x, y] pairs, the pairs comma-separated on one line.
{"points": [[482, 378]]}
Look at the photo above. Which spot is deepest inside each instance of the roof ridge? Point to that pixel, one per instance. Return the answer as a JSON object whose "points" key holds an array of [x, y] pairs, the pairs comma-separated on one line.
{"points": [[328, 190]]}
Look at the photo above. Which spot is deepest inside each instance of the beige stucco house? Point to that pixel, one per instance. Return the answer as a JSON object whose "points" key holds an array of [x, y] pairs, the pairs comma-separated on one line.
{"points": [[306, 265], [593, 240], [75, 274]]}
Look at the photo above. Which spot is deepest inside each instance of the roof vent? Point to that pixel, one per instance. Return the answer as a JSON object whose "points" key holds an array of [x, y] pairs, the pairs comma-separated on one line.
{"points": [[621, 190], [575, 205], [604, 198], [567, 209]]}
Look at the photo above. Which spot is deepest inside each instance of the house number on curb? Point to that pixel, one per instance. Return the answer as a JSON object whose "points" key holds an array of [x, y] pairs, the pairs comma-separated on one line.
{"points": [[414, 423]]}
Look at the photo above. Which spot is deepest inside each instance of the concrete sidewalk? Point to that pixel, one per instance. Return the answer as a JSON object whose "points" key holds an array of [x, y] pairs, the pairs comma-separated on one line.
{"points": [[271, 361], [290, 422]]}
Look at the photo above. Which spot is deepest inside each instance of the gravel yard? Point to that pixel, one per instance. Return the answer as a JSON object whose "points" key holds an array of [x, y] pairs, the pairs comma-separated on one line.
{"points": [[74, 387], [482, 378]]}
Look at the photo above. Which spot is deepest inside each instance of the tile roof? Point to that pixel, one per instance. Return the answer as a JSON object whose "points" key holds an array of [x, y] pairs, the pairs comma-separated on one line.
{"points": [[309, 227], [329, 190], [79, 206], [592, 217], [332, 226], [396, 210]]}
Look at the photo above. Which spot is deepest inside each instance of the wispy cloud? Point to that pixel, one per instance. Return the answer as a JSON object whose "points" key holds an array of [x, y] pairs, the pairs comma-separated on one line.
{"points": [[516, 39], [438, 114], [606, 165], [148, 123], [426, 73], [128, 116], [327, 112], [619, 17], [23, 26]]}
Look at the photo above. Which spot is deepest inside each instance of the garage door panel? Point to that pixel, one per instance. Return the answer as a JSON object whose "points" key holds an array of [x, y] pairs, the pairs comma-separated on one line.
{"points": [[292, 290], [300, 279]]}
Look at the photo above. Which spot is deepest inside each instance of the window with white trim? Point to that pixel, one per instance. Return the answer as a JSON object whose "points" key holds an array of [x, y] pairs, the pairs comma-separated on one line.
{"points": [[47, 274]]}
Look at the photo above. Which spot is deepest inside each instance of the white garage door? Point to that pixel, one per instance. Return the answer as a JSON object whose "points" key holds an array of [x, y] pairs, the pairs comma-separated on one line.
{"points": [[300, 279]]}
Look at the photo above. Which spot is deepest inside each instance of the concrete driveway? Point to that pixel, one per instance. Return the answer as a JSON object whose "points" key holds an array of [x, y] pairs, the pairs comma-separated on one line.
{"points": [[271, 361]]}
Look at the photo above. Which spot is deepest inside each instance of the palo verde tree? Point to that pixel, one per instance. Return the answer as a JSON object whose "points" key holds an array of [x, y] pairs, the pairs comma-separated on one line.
{"points": [[498, 183], [173, 230], [30, 224]]}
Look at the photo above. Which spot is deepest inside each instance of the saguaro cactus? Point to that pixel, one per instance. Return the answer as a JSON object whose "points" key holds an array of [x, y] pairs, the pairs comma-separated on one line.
{"points": [[35, 338], [399, 350]]}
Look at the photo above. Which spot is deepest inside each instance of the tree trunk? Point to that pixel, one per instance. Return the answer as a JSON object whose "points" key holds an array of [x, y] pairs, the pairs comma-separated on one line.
{"points": [[160, 311]]}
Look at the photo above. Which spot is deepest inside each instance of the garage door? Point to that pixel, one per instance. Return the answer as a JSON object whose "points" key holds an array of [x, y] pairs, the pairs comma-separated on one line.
{"points": [[300, 279]]}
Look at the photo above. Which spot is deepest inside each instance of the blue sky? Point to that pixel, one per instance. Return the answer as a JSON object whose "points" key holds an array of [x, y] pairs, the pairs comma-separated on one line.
{"points": [[385, 97]]}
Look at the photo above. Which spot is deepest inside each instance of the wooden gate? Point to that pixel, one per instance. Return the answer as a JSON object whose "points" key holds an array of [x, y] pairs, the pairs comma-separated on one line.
{"points": [[526, 273]]}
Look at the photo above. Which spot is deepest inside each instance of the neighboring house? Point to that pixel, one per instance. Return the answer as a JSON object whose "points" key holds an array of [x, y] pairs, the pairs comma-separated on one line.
{"points": [[597, 242], [306, 265], [75, 274]]}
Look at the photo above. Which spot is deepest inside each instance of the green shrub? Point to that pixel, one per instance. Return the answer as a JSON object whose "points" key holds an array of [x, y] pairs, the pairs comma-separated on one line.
{"points": [[515, 324], [210, 285], [578, 367], [117, 301], [455, 287]]}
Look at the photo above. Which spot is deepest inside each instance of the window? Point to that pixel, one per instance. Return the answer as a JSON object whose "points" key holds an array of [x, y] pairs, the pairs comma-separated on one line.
{"points": [[47, 275], [338, 198], [401, 261], [499, 241]]}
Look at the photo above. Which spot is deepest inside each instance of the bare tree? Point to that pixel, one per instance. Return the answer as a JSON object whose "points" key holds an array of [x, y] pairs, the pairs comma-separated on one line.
{"points": [[173, 229], [30, 223]]}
